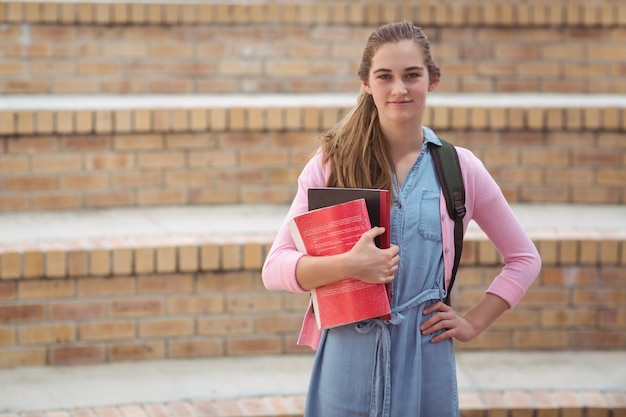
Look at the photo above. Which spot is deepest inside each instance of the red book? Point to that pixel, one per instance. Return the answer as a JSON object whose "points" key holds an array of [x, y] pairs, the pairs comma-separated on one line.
{"points": [[333, 230], [378, 207]]}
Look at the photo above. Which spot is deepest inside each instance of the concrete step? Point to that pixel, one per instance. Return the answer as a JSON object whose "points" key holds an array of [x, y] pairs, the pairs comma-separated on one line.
{"points": [[188, 101], [264, 219], [584, 375]]}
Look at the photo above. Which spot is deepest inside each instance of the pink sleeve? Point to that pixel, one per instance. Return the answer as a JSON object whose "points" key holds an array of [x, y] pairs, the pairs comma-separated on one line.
{"points": [[279, 269], [488, 207]]}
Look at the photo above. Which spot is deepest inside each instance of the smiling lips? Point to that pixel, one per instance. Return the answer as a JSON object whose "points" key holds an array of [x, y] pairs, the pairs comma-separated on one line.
{"points": [[399, 102]]}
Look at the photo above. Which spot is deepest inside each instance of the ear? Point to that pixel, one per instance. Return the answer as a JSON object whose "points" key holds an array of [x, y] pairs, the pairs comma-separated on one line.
{"points": [[432, 85], [366, 87]]}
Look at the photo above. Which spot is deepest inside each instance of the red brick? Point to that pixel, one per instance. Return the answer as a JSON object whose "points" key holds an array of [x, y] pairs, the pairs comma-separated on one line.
{"points": [[210, 257], [86, 143], [76, 355], [83, 412], [166, 259], [107, 412], [57, 288], [77, 310], [188, 258], [106, 286], [156, 410], [540, 339], [599, 297], [134, 410], [10, 265], [231, 256], [161, 197], [31, 183], [144, 260], [77, 263], [48, 334], [56, 202], [122, 263], [195, 304], [166, 327], [205, 408], [7, 336], [23, 357], [196, 348], [228, 282], [225, 325], [137, 351], [228, 407], [83, 181], [108, 330], [277, 324], [598, 339], [253, 406], [490, 340], [253, 345], [100, 262], [136, 308]]}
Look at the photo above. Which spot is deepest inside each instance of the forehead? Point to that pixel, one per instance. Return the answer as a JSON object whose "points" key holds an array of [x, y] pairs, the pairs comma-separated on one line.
{"points": [[403, 54]]}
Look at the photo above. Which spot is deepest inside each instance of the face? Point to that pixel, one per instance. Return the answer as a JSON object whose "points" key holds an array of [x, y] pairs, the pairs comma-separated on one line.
{"points": [[399, 82]]}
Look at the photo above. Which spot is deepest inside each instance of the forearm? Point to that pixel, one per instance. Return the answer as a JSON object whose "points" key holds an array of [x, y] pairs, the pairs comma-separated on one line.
{"points": [[315, 271], [364, 261], [485, 312]]}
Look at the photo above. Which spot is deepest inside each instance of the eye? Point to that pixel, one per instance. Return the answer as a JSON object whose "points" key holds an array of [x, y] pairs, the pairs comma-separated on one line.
{"points": [[384, 77], [413, 75]]}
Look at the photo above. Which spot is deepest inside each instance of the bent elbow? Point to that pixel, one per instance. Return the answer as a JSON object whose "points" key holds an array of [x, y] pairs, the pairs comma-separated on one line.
{"points": [[266, 275], [279, 272], [536, 263]]}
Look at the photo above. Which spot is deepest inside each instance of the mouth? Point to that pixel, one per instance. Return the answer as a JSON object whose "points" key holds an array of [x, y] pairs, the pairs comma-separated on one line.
{"points": [[399, 102]]}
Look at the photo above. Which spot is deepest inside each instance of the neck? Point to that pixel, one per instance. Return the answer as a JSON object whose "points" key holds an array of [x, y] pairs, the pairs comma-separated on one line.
{"points": [[403, 140]]}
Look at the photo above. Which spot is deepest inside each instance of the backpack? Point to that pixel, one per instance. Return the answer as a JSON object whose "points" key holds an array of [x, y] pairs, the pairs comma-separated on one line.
{"points": [[450, 177]]}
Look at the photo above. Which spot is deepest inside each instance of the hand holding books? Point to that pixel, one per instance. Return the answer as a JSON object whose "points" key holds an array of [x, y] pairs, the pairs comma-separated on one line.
{"points": [[336, 228]]}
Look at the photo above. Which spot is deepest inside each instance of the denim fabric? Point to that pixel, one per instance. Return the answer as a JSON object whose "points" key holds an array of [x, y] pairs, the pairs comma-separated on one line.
{"points": [[379, 368]]}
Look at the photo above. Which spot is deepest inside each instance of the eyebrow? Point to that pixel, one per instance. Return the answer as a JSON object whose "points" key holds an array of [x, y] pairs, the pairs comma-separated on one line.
{"points": [[405, 70]]}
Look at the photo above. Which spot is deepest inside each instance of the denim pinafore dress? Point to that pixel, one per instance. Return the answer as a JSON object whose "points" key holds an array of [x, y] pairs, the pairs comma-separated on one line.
{"points": [[379, 368]]}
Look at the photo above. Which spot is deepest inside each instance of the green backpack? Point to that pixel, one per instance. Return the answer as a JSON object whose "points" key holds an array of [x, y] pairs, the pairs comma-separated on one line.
{"points": [[450, 177]]}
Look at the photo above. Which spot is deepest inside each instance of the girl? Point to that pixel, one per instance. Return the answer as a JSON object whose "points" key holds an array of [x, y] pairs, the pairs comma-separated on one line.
{"points": [[403, 366]]}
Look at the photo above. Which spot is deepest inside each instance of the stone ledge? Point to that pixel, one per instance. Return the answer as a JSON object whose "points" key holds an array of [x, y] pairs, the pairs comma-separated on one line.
{"points": [[167, 254], [167, 240], [60, 102], [122, 256], [77, 115]]}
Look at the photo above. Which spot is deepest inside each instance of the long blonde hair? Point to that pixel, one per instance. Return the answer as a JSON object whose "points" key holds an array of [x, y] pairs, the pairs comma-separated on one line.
{"points": [[356, 146]]}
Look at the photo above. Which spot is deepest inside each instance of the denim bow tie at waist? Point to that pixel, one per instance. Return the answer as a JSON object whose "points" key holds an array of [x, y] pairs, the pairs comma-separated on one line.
{"points": [[381, 388]]}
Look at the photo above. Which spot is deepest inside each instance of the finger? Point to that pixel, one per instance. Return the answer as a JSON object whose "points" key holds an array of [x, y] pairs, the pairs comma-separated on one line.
{"points": [[441, 320], [433, 325], [374, 232], [438, 306], [395, 249], [443, 336]]}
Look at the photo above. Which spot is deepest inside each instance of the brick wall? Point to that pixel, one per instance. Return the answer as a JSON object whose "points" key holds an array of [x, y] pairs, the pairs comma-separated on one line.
{"points": [[73, 159], [121, 299], [127, 299], [87, 156], [482, 46]]}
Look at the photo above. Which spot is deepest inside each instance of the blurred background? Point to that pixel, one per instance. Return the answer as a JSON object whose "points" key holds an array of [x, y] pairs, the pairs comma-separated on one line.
{"points": [[115, 114]]}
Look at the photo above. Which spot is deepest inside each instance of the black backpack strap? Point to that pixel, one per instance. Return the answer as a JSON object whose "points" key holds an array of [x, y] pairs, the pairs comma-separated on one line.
{"points": [[450, 177]]}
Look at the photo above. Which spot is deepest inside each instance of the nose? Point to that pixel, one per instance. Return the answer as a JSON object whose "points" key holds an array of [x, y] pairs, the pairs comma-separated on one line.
{"points": [[399, 87]]}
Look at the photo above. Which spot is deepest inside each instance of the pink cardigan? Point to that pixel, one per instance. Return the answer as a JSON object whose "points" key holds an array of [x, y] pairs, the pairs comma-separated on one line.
{"points": [[485, 204]]}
